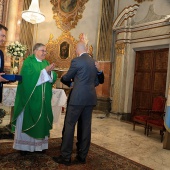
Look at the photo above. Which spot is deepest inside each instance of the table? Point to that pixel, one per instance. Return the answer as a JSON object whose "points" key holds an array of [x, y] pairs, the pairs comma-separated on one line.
{"points": [[59, 99]]}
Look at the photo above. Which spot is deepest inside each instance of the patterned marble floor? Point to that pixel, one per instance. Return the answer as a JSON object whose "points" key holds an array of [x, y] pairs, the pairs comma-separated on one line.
{"points": [[117, 136]]}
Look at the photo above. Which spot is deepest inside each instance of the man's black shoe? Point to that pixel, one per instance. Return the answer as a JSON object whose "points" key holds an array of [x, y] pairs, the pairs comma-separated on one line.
{"points": [[40, 152], [23, 153], [80, 160], [62, 160]]}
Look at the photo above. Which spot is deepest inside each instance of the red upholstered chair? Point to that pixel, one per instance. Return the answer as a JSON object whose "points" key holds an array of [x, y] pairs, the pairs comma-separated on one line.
{"points": [[156, 117], [141, 116]]}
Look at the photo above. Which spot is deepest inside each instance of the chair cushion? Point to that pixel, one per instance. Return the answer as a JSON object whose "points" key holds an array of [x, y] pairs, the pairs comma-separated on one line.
{"points": [[157, 122], [142, 118]]}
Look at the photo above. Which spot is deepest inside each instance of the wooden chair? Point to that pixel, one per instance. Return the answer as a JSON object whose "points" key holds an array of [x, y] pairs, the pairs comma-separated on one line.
{"points": [[142, 115], [156, 117]]}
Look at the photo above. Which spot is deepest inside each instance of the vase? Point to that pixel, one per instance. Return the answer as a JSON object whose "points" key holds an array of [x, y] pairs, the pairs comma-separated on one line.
{"points": [[14, 65]]}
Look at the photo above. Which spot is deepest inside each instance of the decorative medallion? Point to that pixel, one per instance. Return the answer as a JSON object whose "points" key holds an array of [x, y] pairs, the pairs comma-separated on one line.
{"points": [[67, 13]]}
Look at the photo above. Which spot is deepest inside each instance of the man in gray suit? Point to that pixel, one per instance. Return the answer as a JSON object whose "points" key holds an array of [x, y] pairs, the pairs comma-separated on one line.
{"points": [[82, 100]]}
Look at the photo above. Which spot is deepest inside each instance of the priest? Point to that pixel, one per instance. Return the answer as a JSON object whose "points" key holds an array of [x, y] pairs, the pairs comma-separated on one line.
{"points": [[33, 118]]}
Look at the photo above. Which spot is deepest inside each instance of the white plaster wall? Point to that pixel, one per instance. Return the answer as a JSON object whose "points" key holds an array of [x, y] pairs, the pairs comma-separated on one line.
{"points": [[88, 23], [49, 26]]}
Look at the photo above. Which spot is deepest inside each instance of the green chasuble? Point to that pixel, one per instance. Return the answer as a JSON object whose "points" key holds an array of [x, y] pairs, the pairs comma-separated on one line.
{"points": [[34, 100]]}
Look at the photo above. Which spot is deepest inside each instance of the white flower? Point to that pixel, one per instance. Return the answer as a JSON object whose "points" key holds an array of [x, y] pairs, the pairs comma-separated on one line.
{"points": [[17, 49], [15, 53]]}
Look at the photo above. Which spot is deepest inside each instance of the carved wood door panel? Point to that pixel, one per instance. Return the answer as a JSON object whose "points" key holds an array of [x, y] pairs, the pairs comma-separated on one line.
{"points": [[149, 78]]}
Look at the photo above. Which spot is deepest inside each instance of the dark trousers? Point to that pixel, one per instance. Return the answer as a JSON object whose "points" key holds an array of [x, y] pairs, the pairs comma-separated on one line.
{"points": [[1, 87], [84, 115]]}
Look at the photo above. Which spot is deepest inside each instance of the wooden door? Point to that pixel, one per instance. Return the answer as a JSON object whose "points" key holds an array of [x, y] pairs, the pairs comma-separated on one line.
{"points": [[149, 78]]}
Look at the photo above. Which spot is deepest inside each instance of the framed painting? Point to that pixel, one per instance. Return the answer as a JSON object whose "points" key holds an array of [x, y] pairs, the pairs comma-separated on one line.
{"points": [[68, 6], [64, 50], [67, 13], [61, 51]]}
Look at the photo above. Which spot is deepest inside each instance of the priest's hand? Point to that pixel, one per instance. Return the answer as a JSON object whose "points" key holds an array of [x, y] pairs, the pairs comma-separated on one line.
{"points": [[50, 67]]}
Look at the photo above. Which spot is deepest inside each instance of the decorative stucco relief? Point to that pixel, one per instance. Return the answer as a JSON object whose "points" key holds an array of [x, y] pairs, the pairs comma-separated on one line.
{"points": [[120, 48], [151, 16], [124, 18]]}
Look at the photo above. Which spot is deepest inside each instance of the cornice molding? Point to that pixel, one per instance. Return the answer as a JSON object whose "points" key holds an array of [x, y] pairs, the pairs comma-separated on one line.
{"points": [[127, 13]]}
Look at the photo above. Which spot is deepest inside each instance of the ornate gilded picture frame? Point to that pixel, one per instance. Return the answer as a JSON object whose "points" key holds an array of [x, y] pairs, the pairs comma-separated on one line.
{"points": [[61, 51], [67, 13]]}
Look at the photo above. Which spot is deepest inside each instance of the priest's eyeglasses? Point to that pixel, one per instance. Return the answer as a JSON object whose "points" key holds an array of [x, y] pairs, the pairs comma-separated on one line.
{"points": [[43, 51]]}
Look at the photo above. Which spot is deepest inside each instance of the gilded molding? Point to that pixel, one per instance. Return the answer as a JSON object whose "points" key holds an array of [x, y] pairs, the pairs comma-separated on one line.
{"points": [[125, 17], [62, 50], [67, 14], [117, 85], [120, 48], [54, 50]]}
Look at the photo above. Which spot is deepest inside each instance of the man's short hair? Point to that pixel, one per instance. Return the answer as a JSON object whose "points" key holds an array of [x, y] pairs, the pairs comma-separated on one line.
{"points": [[37, 45], [3, 27], [81, 46]]}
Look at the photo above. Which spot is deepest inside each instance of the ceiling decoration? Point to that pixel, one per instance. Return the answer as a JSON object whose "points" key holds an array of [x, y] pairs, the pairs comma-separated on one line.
{"points": [[67, 13], [33, 14]]}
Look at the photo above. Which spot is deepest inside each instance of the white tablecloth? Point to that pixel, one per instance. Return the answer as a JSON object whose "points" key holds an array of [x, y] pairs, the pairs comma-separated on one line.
{"points": [[59, 99]]}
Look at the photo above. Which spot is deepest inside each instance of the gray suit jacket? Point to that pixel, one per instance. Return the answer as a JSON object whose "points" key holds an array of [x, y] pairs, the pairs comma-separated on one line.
{"points": [[84, 73]]}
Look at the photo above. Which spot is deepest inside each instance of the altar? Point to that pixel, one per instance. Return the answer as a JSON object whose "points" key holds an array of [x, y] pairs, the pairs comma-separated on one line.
{"points": [[58, 101]]}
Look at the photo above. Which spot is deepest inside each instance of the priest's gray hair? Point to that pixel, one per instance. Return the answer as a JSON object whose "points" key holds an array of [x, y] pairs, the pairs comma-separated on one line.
{"points": [[37, 46]]}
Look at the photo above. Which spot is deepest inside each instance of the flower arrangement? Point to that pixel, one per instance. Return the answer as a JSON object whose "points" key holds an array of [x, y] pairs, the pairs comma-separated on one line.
{"points": [[17, 49]]}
